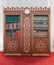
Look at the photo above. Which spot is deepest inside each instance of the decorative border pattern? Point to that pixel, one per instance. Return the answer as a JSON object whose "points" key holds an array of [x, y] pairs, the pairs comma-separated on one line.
{"points": [[41, 45], [12, 45], [22, 9], [26, 43]]}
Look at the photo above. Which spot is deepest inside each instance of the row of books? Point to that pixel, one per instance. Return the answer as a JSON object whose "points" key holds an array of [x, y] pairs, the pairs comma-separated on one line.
{"points": [[13, 34], [40, 18], [12, 26], [40, 25], [40, 31], [40, 34], [40, 21]]}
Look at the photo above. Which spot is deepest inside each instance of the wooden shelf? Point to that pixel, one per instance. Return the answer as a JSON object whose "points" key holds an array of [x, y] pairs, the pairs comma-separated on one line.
{"points": [[40, 37], [12, 37], [12, 29]]}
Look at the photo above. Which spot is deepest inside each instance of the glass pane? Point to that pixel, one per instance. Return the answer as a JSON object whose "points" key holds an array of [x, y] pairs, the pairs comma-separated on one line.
{"points": [[40, 26], [12, 26]]}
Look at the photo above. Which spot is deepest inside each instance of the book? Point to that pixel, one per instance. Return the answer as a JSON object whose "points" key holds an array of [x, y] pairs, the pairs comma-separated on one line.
{"points": [[18, 34]]}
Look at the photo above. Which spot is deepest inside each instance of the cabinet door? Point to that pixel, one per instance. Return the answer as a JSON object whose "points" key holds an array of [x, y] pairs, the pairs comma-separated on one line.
{"points": [[41, 44], [12, 35], [12, 46], [41, 47]]}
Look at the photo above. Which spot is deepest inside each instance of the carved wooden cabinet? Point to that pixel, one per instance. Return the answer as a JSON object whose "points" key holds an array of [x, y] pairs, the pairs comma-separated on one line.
{"points": [[27, 31]]}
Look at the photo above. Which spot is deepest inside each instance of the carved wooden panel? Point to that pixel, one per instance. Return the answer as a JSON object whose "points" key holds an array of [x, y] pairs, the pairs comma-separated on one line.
{"points": [[41, 46], [12, 46], [26, 34]]}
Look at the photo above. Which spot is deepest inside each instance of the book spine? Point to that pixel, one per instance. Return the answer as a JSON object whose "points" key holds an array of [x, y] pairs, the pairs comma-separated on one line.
{"points": [[11, 25], [14, 25], [18, 34]]}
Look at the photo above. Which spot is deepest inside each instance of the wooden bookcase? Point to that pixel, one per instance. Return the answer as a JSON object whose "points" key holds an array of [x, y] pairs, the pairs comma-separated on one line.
{"points": [[27, 31]]}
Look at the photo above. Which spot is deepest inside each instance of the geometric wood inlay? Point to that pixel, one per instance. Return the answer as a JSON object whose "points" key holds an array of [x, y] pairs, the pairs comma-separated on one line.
{"points": [[26, 33], [12, 45], [41, 45]]}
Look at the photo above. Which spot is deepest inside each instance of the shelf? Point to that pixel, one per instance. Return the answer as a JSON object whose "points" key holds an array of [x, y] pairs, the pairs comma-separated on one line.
{"points": [[13, 22], [40, 25], [40, 28], [40, 37], [12, 29], [40, 20], [40, 17], [12, 37]]}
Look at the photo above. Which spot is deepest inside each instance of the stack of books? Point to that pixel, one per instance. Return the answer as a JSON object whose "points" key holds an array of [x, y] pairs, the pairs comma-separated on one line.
{"points": [[40, 26], [40, 33], [40, 18], [13, 33]]}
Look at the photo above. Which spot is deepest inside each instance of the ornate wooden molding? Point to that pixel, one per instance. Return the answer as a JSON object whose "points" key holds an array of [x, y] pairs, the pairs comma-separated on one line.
{"points": [[22, 9]]}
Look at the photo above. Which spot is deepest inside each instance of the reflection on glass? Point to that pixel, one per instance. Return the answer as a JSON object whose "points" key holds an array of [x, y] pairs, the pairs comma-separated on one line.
{"points": [[40, 26]]}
